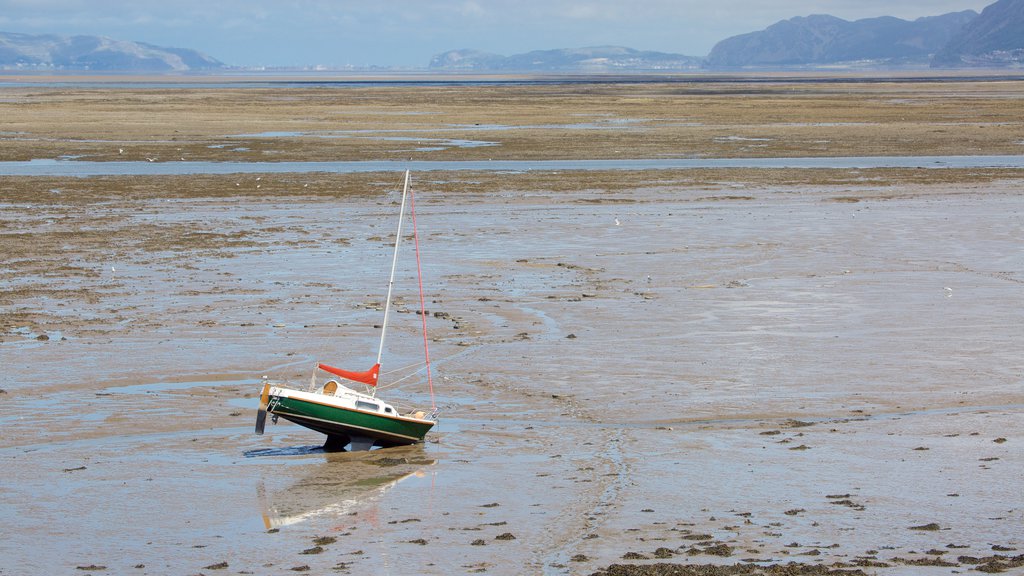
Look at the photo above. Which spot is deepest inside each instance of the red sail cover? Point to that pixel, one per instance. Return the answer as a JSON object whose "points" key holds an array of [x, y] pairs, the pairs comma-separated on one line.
{"points": [[369, 377]]}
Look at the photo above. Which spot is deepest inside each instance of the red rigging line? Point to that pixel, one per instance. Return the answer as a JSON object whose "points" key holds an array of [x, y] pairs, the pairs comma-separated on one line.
{"points": [[423, 308]]}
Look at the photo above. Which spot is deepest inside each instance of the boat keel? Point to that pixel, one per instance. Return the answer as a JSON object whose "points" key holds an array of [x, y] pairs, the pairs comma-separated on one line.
{"points": [[361, 444], [337, 443]]}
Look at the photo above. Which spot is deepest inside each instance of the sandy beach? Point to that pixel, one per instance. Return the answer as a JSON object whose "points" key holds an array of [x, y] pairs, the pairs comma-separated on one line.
{"points": [[818, 370]]}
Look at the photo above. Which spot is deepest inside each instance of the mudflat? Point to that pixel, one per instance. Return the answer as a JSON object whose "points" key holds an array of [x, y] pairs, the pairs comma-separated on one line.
{"points": [[638, 372]]}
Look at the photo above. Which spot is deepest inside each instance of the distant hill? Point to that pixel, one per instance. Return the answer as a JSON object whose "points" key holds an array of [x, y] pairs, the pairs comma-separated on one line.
{"points": [[96, 53], [958, 39], [466, 59], [591, 59], [996, 38], [823, 39]]}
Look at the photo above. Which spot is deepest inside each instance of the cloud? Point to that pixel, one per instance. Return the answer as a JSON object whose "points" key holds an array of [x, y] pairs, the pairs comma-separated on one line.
{"points": [[584, 11], [472, 9]]}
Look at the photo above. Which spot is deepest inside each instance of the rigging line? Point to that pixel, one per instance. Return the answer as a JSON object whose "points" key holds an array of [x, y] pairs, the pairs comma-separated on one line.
{"points": [[403, 368], [419, 276], [397, 382], [400, 380]]}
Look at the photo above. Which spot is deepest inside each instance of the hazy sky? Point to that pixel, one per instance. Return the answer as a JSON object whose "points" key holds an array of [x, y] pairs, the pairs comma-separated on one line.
{"points": [[409, 32]]}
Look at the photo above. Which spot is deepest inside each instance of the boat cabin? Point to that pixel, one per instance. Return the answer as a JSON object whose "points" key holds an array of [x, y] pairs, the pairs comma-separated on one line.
{"points": [[360, 401]]}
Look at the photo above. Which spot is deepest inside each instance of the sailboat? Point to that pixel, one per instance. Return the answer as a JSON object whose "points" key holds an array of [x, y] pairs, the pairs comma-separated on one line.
{"points": [[349, 417]]}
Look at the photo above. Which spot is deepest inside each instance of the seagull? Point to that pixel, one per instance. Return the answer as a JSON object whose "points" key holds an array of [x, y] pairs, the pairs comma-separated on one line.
{"points": [[151, 159], [617, 223], [120, 150]]}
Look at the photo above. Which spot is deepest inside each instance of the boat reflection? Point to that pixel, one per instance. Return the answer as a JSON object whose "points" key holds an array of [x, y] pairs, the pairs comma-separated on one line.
{"points": [[337, 488]]}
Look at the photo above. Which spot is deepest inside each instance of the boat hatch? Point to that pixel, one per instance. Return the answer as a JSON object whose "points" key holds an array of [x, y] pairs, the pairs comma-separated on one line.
{"points": [[367, 406]]}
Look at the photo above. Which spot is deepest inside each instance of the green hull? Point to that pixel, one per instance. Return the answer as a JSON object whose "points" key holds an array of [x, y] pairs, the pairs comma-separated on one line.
{"points": [[343, 423]]}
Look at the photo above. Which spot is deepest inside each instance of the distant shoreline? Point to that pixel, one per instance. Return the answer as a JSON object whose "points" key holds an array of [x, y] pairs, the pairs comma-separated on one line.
{"points": [[412, 78], [83, 168]]}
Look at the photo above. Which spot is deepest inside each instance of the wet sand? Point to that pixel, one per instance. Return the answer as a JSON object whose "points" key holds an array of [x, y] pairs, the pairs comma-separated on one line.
{"points": [[777, 117], [729, 368]]}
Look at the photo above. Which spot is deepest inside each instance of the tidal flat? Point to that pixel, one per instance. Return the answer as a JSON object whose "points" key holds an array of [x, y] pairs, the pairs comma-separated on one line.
{"points": [[704, 371]]}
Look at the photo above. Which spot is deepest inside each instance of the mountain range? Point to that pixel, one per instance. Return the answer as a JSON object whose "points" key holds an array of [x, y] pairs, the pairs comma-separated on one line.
{"points": [[958, 39], [994, 38], [822, 39], [591, 59], [98, 54]]}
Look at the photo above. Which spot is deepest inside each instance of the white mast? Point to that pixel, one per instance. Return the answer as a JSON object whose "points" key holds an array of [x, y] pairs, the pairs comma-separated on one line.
{"points": [[394, 264]]}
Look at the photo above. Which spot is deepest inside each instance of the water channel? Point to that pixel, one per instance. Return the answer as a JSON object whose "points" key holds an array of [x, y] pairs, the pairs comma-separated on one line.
{"points": [[52, 167]]}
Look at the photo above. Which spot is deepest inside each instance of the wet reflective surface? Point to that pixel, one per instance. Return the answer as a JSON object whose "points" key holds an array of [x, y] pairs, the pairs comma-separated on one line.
{"points": [[802, 369], [339, 489], [71, 167]]}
